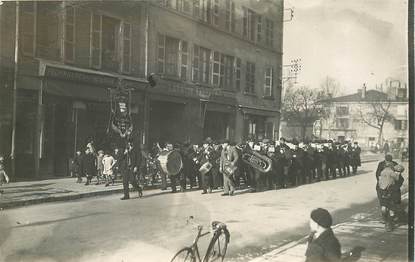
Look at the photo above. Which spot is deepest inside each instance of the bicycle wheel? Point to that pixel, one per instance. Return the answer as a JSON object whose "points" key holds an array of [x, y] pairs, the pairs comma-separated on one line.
{"points": [[184, 255], [217, 246]]}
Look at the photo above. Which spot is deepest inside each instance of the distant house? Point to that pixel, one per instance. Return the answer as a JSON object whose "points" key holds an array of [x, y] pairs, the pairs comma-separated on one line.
{"points": [[351, 117]]}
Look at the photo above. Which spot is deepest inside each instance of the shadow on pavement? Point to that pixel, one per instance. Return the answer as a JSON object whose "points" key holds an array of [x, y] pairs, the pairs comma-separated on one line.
{"points": [[42, 223]]}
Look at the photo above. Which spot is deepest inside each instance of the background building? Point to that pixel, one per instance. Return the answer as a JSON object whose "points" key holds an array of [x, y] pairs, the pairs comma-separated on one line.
{"points": [[356, 116], [217, 66]]}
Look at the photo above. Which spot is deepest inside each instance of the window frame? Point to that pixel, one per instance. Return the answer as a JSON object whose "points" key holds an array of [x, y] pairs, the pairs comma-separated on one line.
{"points": [[91, 42], [65, 41], [250, 78], [238, 72], [123, 55], [268, 75], [183, 60], [23, 14]]}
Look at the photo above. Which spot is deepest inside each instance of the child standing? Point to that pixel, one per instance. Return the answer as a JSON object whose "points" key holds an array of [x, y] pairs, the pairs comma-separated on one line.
{"points": [[100, 166], [108, 163], [76, 166], [3, 175]]}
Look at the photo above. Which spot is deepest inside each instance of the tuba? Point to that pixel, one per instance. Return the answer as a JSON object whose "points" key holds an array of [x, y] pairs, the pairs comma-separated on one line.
{"points": [[257, 161]]}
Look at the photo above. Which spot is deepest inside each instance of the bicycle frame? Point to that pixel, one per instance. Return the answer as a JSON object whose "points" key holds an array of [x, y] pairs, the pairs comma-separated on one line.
{"points": [[194, 246]]}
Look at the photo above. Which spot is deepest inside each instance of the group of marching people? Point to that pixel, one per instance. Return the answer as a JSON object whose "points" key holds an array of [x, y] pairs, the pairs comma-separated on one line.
{"points": [[214, 165], [218, 164]]}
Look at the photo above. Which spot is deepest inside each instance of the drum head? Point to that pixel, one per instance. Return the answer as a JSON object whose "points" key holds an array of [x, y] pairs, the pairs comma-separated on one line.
{"points": [[174, 163]]}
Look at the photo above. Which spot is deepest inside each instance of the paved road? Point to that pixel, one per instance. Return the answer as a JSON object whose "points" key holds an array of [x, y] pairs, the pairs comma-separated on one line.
{"points": [[152, 228]]}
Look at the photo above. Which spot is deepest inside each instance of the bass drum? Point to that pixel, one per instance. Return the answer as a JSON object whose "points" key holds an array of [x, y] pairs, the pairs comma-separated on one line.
{"points": [[171, 162]]}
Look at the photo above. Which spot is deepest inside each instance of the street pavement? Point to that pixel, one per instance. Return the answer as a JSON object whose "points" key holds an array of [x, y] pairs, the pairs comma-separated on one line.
{"points": [[154, 227], [64, 189]]}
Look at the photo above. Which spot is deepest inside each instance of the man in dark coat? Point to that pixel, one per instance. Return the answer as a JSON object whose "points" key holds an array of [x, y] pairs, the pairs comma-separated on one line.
{"points": [[323, 245], [355, 157], [390, 198], [88, 165], [131, 164]]}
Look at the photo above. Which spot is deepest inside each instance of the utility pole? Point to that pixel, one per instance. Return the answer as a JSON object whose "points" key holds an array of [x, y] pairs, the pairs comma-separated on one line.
{"points": [[16, 68]]}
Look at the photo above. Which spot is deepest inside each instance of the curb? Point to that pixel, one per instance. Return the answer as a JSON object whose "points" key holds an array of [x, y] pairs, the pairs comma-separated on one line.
{"points": [[21, 203]]}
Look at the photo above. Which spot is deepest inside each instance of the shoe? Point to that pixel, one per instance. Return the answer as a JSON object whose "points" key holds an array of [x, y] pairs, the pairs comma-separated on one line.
{"points": [[231, 193], [97, 183], [204, 192], [224, 194], [125, 198], [140, 193], [107, 184], [87, 183]]}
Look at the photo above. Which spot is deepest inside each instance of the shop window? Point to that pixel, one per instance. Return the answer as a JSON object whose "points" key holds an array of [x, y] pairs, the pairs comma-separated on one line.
{"points": [[269, 33], [28, 27], [230, 16], [250, 78], [269, 130], [69, 33], [268, 83]]}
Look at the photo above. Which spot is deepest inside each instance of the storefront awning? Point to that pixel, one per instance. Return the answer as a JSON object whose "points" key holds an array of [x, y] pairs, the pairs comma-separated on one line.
{"points": [[76, 90], [260, 112]]}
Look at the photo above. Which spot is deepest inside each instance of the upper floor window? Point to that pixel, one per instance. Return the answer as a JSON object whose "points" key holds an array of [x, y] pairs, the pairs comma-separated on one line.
{"points": [[259, 29], [201, 65], [215, 12], [110, 45], [228, 72], [269, 33], [48, 40], [401, 124], [172, 57], [180, 5], [68, 50], [269, 80], [342, 123], [237, 66], [27, 28], [218, 69], [250, 78], [248, 24], [230, 16], [342, 110]]}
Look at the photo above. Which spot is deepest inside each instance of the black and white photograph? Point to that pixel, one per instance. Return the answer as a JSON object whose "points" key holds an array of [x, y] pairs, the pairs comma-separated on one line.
{"points": [[206, 130]]}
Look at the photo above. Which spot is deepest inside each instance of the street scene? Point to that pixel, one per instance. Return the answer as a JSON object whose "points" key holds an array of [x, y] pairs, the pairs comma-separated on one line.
{"points": [[205, 130]]}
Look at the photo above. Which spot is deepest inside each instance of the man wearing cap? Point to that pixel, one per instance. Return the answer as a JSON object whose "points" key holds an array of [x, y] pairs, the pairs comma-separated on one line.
{"points": [[322, 243], [388, 189]]}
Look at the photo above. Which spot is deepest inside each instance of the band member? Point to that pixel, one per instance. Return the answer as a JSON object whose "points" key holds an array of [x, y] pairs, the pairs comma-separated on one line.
{"points": [[228, 167], [355, 157], [131, 158]]}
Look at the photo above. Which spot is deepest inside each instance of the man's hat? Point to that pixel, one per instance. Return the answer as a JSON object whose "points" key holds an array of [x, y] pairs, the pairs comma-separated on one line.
{"points": [[208, 140], [322, 217]]}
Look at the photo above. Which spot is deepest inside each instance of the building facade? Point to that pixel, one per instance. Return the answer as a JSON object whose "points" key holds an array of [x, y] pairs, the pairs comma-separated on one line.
{"points": [[217, 66], [351, 117]]}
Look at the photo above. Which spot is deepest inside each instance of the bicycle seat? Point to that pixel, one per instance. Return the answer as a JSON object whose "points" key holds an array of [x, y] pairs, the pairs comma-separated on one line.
{"points": [[218, 225]]}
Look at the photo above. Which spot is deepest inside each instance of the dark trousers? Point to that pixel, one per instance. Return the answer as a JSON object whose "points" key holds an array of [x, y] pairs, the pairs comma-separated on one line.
{"points": [[128, 177]]}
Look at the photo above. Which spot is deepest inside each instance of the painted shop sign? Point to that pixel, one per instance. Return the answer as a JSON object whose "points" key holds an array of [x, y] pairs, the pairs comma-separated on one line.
{"points": [[64, 74]]}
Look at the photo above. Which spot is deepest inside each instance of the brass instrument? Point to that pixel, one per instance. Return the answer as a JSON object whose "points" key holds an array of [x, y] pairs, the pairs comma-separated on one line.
{"points": [[257, 161]]}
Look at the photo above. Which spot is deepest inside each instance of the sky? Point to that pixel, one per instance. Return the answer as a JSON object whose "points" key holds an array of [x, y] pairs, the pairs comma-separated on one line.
{"points": [[352, 41]]}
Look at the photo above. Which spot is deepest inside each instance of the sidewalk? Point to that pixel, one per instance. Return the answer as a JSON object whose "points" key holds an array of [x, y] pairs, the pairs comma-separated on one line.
{"points": [[364, 231], [62, 189], [59, 189]]}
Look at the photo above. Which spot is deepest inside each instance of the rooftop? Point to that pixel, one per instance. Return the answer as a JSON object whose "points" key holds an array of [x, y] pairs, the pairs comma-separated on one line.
{"points": [[370, 96]]}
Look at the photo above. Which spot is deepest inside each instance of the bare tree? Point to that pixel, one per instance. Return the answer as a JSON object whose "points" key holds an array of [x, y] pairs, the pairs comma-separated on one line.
{"points": [[300, 107], [329, 88], [375, 114]]}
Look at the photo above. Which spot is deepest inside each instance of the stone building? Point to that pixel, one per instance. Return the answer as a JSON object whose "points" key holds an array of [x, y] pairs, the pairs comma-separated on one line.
{"points": [[350, 116], [217, 65]]}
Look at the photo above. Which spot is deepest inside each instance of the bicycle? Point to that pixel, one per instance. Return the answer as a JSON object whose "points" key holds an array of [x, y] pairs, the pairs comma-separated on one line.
{"points": [[216, 250]]}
